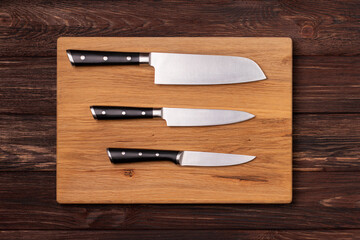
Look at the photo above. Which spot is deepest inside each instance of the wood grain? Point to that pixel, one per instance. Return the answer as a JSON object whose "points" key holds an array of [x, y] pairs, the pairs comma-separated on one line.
{"points": [[322, 29], [84, 173], [321, 84], [317, 27], [326, 142], [321, 142], [183, 234], [28, 142], [326, 71], [322, 200], [315, 99], [28, 86]]}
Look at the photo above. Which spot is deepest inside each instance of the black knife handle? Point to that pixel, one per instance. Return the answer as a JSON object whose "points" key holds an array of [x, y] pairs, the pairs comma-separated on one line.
{"points": [[108, 113], [126, 155], [99, 58]]}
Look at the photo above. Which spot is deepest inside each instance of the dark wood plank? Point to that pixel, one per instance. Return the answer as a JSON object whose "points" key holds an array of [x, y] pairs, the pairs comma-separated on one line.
{"points": [[322, 200], [317, 27], [326, 142], [321, 142], [182, 234], [326, 71], [326, 84], [28, 142], [28, 85], [329, 99]]}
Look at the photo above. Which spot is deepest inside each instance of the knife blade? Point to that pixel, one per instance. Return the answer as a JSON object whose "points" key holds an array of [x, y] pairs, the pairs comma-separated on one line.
{"points": [[176, 68], [180, 117], [182, 158]]}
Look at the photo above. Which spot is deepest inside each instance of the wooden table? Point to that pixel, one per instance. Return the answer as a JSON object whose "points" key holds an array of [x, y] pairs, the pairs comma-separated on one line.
{"points": [[326, 119]]}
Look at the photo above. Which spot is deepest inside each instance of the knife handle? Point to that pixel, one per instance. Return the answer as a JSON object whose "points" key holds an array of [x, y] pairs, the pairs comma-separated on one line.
{"points": [[99, 58], [126, 155], [108, 113]]}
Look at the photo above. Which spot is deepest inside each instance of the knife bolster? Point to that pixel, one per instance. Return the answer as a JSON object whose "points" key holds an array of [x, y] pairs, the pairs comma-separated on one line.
{"points": [[144, 58], [157, 112]]}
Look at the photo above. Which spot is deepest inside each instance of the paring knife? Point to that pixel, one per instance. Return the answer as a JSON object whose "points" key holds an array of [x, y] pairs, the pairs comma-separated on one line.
{"points": [[183, 158], [173, 116], [174, 68]]}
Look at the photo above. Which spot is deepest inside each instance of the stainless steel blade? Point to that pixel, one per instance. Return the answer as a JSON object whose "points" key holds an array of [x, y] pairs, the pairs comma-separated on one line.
{"points": [[202, 117], [207, 159], [192, 69]]}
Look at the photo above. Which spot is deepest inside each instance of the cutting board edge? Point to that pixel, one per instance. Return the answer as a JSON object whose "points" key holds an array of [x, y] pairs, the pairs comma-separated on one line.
{"points": [[288, 200]]}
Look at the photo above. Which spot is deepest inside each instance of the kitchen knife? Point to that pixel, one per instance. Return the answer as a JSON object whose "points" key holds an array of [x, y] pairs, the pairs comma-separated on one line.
{"points": [[183, 158], [181, 117], [174, 68]]}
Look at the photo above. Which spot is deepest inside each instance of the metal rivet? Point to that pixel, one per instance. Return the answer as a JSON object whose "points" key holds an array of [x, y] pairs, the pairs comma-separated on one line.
{"points": [[157, 154], [123, 113], [143, 113], [82, 57], [122, 153], [128, 58], [105, 58], [103, 112], [140, 153]]}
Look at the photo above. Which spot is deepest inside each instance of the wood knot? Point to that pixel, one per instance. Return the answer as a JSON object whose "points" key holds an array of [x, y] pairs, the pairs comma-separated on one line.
{"points": [[286, 60], [307, 30], [129, 172], [5, 19]]}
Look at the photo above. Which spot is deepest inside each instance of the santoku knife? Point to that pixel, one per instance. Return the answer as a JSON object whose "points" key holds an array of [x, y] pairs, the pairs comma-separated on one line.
{"points": [[174, 68], [174, 116], [183, 158]]}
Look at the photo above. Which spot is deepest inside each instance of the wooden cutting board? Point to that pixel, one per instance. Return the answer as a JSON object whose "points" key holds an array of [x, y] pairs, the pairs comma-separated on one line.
{"points": [[84, 172]]}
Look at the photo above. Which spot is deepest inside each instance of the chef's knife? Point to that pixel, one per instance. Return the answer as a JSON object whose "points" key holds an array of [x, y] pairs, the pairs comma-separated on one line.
{"points": [[173, 116], [174, 68], [183, 158]]}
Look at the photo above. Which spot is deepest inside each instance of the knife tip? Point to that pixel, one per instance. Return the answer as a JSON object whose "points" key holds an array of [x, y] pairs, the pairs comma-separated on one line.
{"points": [[260, 76], [251, 115], [263, 77], [251, 158]]}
